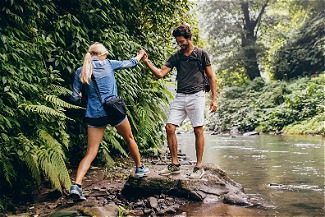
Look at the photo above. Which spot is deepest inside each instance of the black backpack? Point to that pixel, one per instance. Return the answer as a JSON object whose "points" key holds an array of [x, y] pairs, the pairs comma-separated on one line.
{"points": [[201, 67]]}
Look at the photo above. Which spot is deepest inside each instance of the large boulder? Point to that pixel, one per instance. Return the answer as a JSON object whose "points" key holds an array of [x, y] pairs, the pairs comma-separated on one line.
{"points": [[214, 186]]}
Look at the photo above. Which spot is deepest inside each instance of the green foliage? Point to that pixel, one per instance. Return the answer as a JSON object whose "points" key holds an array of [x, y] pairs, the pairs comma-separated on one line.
{"points": [[303, 54], [315, 125], [233, 29], [42, 43], [276, 107]]}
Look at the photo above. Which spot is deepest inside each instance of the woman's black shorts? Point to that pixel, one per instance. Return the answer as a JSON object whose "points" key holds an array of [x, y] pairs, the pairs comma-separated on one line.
{"points": [[104, 121]]}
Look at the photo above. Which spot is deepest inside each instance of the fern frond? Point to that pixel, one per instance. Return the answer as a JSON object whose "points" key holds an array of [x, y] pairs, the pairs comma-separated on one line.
{"points": [[59, 102], [29, 157], [106, 154], [44, 110], [50, 142], [64, 137], [51, 158], [6, 169], [112, 141], [60, 90]]}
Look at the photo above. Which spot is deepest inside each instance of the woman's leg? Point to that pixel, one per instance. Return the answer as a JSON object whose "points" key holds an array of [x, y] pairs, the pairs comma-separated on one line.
{"points": [[95, 136], [124, 129]]}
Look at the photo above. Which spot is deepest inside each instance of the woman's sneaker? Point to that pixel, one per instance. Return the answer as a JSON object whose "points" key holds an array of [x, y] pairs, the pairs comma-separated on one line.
{"points": [[171, 169], [141, 171], [76, 193], [197, 173]]}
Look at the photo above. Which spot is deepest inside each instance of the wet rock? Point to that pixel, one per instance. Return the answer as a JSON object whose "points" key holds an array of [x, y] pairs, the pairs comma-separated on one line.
{"points": [[139, 204], [63, 213], [96, 188], [168, 210], [215, 186], [253, 133], [161, 200], [237, 198], [153, 202], [234, 131], [136, 212], [214, 133], [212, 199], [51, 206], [80, 210], [147, 211]]}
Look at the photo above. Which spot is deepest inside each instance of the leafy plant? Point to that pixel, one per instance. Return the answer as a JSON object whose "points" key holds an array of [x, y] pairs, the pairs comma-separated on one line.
{"points": [[42, 43]]}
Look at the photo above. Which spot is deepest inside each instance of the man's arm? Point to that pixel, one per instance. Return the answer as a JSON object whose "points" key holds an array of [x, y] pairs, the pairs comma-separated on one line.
{"points": [[159, 73], [212, 81]]}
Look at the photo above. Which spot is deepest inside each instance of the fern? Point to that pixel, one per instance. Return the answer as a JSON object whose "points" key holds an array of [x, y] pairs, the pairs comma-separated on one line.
{"points": [[51, 158], [30, 158], [59, 102], [112, 141], [44, 110], [106, 153], [59, 90], [6, 168]]}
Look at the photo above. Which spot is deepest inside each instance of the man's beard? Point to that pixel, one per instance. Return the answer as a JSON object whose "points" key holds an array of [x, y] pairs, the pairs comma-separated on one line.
{"points": [[184, 47]]}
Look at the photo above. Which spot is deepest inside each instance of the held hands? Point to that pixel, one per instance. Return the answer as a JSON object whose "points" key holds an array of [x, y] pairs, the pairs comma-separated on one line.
{"points": [[140, 54], [143, 56]]}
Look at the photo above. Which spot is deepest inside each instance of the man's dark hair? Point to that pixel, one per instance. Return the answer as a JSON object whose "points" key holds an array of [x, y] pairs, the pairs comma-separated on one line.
{"points": [[183, 30]]}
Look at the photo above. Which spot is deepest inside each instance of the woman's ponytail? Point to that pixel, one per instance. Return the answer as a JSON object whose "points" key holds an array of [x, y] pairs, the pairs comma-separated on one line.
{"points": [[96, 49], [87, 69]]}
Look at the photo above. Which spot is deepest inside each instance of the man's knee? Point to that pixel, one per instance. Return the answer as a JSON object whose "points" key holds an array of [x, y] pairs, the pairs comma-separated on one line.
{"points": [[198, 131], [170, 128]]}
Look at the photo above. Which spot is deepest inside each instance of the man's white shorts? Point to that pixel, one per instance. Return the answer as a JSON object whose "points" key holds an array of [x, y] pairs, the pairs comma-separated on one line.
{"points": [[187, 105]]}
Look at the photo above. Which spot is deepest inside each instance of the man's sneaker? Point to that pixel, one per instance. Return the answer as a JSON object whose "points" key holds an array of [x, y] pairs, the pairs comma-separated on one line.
{"points": [[141, 171], [76, 193], [171, 169], [197, 173]]}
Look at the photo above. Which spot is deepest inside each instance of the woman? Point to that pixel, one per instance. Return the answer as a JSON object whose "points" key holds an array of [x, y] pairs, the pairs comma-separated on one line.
{"points": [[97, 77]]}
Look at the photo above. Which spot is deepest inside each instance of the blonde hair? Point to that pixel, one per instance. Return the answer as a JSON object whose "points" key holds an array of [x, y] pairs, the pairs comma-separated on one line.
{"points": [[96, 49]]}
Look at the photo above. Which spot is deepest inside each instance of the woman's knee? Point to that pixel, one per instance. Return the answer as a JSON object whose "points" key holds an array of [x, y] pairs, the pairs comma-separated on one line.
{"points": [[92, 152], [129, 137], [170, 128]]}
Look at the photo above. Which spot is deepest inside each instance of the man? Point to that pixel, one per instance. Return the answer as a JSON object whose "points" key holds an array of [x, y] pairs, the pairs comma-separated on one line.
{"points": [[190, 62]]}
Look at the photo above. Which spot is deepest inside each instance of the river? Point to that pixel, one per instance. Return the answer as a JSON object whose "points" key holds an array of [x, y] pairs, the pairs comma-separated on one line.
{"points": [[287, 171]]}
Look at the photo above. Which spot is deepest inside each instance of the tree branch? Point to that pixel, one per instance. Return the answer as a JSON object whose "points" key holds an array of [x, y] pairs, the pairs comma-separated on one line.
{"points": [[244, 7], [259, 17]]}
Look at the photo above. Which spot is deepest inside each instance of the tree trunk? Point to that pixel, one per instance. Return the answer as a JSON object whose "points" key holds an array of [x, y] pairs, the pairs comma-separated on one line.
{"points": [[250, 58], [249, 41]]}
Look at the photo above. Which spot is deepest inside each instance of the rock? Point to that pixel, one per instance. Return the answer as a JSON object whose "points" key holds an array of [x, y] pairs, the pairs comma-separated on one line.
{"points": [[136, 212], [147, 211], [253, 133], [79, 210], [51, 206], [238, 198], [234, 131], [214, 133], [101, 211], [153, 202], [169, 210], [63, 213], [161, 200], [183, 214], [139, 204], [215, 186], [96, 188]]}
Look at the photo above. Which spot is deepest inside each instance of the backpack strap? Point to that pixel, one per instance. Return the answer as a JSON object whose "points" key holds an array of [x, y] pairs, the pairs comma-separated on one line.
{"points": [[200, 59]]}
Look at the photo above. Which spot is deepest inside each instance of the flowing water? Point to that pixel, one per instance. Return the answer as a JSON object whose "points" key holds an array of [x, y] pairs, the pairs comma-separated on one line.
{"points": [[288, 171]]}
